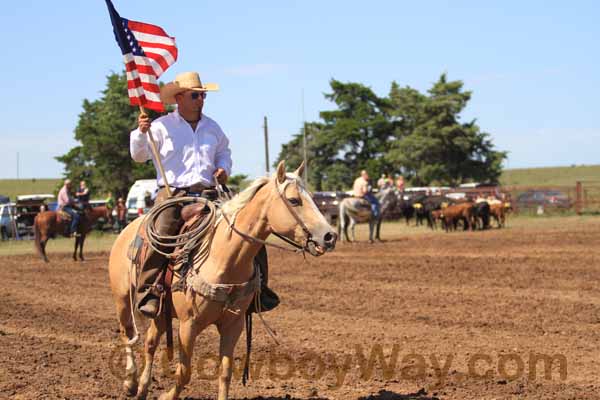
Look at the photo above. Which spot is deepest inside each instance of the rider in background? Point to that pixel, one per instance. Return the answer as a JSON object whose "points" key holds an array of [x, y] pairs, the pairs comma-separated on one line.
{"points": [[66, 203], [362, 190], [110, 201], [390, 181], [121, 214], [400, 183], [83, 195], [381, 182]]}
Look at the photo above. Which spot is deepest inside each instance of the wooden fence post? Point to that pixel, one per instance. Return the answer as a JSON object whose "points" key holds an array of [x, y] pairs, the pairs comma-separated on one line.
{"points": [[579, 198]]}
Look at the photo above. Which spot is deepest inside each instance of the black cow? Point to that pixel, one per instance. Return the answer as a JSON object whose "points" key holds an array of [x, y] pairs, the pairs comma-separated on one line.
{"points": [[481, 215], [432, 203], [405, 208]]}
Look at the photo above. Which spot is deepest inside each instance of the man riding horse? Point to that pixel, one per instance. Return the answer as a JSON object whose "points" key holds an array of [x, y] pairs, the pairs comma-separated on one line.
{"points": [[194, 152], [67, 204], [362, 189]]}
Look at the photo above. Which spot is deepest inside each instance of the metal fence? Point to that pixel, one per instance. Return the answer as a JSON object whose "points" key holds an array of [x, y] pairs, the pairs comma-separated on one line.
{"points": [[581, 198]]}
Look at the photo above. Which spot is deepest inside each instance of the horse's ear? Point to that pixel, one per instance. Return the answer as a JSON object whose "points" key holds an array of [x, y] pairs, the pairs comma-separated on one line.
{"points": [[281, 171], [300, 171]]}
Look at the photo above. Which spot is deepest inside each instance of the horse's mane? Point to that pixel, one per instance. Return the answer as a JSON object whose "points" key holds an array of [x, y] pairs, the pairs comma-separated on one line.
{"points": [[241, 199]]}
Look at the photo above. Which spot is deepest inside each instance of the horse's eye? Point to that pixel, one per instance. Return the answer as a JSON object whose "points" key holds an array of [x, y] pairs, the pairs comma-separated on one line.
{"points": [[294, 202]]}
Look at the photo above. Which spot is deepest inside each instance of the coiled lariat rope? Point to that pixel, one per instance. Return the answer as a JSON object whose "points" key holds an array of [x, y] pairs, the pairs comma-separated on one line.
{"points": [[192, 242]]}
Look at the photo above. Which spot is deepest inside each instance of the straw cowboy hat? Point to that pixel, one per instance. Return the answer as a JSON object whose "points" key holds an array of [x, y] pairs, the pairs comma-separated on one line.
{"points": [[183, 82]]}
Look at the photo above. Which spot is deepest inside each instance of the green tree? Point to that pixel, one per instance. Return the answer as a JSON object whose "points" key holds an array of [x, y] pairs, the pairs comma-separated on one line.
{"points": [[351, 138], [293, 154], [238, 182], [432, 146], [102, 157]]}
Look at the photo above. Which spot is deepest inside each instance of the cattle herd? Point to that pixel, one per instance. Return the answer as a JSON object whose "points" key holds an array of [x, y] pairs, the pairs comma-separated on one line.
{"points": [[450, 213]]}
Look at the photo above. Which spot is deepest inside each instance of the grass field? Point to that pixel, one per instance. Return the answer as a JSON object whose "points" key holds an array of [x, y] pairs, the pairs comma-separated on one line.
{"points": [[550, 176], [14, 187], [95, 242]]}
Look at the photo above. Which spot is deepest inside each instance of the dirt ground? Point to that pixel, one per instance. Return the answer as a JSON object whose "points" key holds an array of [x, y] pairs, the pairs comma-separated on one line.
{"points": [[456, 316]]}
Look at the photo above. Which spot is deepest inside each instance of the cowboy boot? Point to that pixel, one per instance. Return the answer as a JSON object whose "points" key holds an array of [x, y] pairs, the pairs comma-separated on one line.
{"points": [[150, 288], [268, 298]]}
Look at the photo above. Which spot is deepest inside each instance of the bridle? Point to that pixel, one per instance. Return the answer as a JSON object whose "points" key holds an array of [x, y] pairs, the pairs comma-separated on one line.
{"points": [[309, 244]]}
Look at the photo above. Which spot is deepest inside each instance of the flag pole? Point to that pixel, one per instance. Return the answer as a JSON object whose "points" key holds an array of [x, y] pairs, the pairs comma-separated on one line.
{"points": [[157, 157]]}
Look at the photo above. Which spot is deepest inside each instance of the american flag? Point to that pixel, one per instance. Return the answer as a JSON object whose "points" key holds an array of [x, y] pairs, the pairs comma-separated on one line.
{"points": [[148, 51]]}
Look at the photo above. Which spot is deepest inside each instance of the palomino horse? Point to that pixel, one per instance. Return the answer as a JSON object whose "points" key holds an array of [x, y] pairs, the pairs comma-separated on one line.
{"points": [[279, 205], [47, 225], [351, 213]]}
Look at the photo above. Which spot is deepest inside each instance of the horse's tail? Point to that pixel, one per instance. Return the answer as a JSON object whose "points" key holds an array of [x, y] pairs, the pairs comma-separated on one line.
{"points": [[37, 237]]}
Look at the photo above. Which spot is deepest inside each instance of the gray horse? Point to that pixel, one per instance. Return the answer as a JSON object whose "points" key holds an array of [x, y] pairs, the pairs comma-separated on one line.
{"points": [[353, 210]]}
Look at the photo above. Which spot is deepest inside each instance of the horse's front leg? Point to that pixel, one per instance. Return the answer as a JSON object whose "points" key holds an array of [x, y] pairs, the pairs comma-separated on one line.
{"points": [[43, 247], [129, 338], [188, 330], [352, 225], [81, 241], [75, 248], [229, 337], [155, 331]]}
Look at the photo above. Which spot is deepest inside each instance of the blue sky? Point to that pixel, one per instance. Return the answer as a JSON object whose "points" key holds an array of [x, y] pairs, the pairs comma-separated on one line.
{"points": [[533, 68]]}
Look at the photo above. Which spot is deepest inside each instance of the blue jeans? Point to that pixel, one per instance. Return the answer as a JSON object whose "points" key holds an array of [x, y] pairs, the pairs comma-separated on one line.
{"points": [[74, 217], [375, 207]]}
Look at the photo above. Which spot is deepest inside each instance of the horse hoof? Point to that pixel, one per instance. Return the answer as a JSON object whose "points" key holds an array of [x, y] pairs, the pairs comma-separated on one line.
{"points": [[130, 387], [371, 241]]}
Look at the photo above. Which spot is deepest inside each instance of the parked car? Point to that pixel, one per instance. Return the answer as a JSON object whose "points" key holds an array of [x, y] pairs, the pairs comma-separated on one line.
{"points": [[27, 207], [140, 198], [328, 204], [101, 222], [4, 199], [551, 198], [8, 224]]}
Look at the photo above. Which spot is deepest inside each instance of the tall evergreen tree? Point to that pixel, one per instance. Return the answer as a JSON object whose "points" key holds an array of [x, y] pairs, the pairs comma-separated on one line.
{"points": [[351, 138], [433, 146]]}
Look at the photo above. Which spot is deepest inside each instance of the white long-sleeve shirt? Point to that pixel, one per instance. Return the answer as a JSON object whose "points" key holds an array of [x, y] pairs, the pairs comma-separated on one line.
{"points": [[187, 156]]}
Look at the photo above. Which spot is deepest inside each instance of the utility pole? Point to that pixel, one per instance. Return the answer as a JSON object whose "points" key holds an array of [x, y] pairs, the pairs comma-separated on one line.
{"points": [[267, 146], [305, 177]]}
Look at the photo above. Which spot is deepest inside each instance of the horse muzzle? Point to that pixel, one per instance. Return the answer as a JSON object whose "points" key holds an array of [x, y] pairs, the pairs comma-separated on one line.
{"points": [[329, 240]]}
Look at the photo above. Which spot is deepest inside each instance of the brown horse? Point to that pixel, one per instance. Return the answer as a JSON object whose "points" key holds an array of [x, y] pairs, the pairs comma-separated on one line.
{"points": [[48, 225], [278, 205]]}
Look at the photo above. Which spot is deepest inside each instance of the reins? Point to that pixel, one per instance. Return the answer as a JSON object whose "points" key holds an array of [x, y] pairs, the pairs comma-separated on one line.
{"points": [[298, 248]]}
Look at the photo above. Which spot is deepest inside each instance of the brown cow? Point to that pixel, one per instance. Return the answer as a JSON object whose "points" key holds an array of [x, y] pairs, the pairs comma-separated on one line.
{"points": [[452, 214], [435, 216], [498, 211]]}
